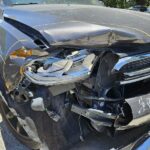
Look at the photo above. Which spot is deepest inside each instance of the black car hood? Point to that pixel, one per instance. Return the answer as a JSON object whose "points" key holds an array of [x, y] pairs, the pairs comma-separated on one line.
{"points": [[83, 25]]}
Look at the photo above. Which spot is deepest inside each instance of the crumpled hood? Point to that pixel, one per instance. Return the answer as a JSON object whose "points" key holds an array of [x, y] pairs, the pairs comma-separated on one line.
{"points": [[83, 25]]}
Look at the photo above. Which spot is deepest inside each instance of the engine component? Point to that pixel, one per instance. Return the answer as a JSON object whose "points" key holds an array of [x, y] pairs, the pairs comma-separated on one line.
{"points": [[21, 93], [94, 115]]}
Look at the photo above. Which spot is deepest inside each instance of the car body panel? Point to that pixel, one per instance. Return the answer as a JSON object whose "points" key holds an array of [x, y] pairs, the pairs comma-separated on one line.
{"points": [[60, 24]]}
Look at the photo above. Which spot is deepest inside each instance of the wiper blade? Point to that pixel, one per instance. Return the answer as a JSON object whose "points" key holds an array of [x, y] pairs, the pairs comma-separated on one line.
{"points": [[24, 3]]}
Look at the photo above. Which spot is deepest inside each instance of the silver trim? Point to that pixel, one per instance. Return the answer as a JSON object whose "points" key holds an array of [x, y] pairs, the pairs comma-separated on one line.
{"points": [[50, 81], [124, 61], [133, 76], [137, 73], [62, 71], [135, 80]]}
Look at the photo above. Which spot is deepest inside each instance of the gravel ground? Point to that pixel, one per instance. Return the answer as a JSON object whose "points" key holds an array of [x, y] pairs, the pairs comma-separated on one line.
{"points": [[93, 142]]}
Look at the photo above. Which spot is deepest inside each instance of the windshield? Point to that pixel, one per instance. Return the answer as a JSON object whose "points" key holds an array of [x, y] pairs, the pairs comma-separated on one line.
{"points": [[29, 2]]}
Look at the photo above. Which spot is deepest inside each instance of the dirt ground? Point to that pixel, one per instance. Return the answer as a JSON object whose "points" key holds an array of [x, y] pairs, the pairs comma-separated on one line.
{"points": [[92, 142]]}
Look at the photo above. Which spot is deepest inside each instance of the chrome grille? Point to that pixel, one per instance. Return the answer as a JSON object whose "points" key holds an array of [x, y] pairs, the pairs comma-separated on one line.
{"points": [[136, 65], [135, 68]]}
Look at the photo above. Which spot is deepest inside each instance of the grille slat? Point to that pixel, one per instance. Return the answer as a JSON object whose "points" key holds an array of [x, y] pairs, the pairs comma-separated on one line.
{"points": [[136, 65]]}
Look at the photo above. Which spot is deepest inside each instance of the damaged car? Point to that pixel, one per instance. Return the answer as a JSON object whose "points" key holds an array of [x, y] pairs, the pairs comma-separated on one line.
{"points": [[70, 67]]}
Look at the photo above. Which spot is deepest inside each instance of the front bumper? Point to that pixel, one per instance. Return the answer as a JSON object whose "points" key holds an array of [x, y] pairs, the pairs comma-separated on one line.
{"points": [[137, 110], [72, 69]]}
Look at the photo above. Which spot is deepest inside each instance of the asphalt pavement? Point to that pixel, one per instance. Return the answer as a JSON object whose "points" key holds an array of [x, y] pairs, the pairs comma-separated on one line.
{"points": [[92, 142], [7, 140]]}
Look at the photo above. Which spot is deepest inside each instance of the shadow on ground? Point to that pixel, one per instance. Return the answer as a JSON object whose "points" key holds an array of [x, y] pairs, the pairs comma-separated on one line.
{"points": [[122, 140], [92, 142]]}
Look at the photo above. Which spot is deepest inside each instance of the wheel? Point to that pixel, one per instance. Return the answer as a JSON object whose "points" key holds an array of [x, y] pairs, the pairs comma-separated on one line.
{"points": [[15, 127]]}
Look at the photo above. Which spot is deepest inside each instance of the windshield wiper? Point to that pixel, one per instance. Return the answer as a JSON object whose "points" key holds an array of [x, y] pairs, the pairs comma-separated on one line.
{"points": [[24, 3]]}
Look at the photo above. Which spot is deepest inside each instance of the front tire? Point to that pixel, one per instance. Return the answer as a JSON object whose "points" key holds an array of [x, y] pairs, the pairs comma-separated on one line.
{"points": [[15, 127]]}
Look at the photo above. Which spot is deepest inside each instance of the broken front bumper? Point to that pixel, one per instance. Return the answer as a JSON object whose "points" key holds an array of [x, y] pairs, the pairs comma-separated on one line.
{"points": [[136, 109], [55, 71]]}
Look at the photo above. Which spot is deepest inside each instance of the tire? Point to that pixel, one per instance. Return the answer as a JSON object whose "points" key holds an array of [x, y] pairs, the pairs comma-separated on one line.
{"points": [[22, 138]]}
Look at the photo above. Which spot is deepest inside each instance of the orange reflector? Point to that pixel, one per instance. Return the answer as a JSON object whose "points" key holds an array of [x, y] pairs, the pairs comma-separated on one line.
{"points": [[22, 53], [22, 70]]}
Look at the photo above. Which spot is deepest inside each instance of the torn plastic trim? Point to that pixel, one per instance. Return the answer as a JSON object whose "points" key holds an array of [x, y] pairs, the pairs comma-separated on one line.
{"points": [[136, 111], [140, 105], [136, 122], [96, 116], [56, 71]]}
